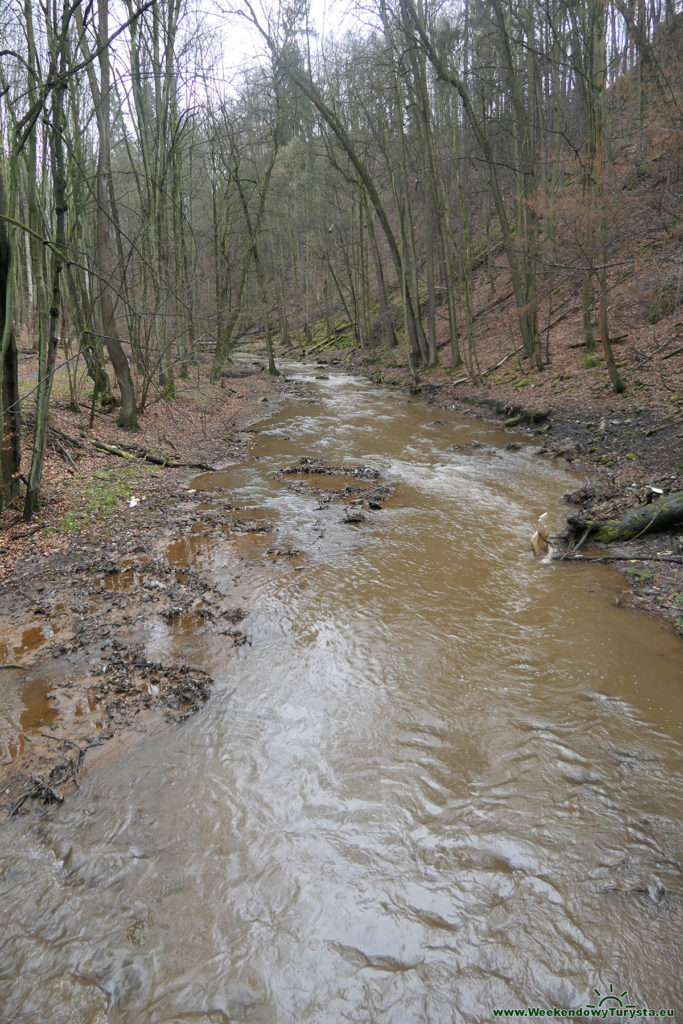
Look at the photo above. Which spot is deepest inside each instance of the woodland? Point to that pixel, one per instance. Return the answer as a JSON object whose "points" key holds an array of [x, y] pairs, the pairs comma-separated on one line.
{"points": [[159, 206]]}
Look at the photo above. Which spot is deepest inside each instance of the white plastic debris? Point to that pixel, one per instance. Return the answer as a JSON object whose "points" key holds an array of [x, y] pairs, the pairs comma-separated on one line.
{"points": [[540, 541], [133, 501]]}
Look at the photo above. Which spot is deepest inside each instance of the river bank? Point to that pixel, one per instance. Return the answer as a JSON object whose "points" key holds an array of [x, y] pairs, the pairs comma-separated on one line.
{"points": [[628, 446], [112, 556], [86, 580]]}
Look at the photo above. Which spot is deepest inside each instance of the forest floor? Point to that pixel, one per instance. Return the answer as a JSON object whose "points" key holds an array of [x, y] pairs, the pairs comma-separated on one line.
{"points": [[110, 551]]}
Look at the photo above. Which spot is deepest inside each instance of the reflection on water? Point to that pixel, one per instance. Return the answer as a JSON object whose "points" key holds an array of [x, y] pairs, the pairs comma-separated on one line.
{"points": [[442, 779], [216, 480], [15, 648], [25, 707]]}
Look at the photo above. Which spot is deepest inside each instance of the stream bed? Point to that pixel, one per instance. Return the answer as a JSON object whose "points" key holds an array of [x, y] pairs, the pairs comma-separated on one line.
{"points": [[441, 778]]}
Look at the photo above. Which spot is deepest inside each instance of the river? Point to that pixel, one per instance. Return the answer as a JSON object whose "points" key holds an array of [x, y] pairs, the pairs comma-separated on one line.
{"points": [[443, 778]]}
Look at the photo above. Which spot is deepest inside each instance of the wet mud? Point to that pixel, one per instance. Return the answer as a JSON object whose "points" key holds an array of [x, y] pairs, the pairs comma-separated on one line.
{"points": [[353, 484], [82, 678], [74, 651]]}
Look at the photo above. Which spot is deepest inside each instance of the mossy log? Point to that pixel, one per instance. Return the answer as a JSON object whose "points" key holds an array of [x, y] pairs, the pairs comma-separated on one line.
{"points": [[657, 515]]}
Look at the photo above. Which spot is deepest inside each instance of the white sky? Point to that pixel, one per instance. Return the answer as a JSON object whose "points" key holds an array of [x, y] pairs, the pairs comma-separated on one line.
{"points": [[243, 43]]}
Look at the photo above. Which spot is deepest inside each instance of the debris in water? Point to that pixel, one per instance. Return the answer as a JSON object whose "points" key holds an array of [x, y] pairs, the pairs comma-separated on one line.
{"points": [[540, 539]]}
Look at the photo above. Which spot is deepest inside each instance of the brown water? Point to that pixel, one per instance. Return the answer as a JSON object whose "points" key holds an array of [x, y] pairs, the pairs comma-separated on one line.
{"points": [[443, 778]]}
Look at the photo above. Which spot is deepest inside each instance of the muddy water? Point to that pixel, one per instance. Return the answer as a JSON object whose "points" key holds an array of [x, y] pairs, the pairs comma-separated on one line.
{"points": [[441, 779]]}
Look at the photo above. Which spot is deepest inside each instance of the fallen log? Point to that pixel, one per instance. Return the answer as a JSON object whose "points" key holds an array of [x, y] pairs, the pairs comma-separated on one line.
{"points": [[126, 451], [570, 557], [335, 333], [614, 340], [111, 449], [28, 533], [496, 302], [135, 452], [65, 438], [61, 450], [657, 515]]}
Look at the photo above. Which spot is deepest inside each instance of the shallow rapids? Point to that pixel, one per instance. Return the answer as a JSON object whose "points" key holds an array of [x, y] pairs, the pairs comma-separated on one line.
{"points": [[442, 779]]}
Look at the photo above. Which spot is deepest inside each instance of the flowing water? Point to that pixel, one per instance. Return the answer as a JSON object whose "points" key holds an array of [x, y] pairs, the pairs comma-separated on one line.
{"points": [[443, 779]]}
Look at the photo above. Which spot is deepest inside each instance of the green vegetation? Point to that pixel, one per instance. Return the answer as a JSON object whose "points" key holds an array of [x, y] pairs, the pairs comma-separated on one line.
{"points": [[639, 575], [93, 498]]}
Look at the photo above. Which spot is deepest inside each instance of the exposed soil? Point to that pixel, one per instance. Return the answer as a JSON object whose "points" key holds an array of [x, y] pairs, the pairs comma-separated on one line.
{"points": [[84, 583]]}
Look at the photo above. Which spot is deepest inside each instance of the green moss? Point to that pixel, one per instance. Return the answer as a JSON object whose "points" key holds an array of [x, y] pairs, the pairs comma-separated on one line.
{"points": [[606, 534]]}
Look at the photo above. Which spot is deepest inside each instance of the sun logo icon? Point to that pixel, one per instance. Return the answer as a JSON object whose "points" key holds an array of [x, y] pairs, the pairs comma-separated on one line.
{"points": [[611, 999]]}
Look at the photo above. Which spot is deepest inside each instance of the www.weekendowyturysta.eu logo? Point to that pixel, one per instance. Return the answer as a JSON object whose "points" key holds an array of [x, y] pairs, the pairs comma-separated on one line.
{"points": [[608, 1005], [610, 1000]]}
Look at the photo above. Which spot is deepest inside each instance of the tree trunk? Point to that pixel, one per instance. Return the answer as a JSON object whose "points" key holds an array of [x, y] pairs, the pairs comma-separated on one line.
{"points": [[128, 416], [519, 271], [101, 94], [81, 303], [48, 344], [597, 152], [224, 344], [308, 88], [9, 384]]}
